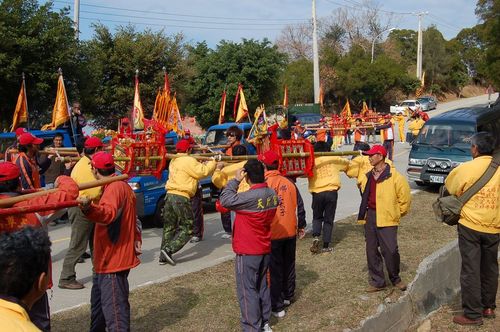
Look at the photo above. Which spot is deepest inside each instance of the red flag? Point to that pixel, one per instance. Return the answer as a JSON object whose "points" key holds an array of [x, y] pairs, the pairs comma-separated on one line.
{"points": [[21, 111], [222, 110]]}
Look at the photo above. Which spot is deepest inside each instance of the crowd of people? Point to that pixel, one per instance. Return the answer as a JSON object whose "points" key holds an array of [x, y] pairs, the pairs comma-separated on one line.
{"points": [[262, 212]]}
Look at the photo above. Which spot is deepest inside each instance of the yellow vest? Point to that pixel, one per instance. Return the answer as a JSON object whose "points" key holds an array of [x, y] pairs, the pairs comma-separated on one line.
{"points": [[326, 173], [13, 318], [184, 174]]}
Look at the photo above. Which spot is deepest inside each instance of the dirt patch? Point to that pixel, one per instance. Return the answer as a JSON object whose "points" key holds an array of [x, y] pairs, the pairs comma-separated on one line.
{"points": [[466, 92], [330, 292]]}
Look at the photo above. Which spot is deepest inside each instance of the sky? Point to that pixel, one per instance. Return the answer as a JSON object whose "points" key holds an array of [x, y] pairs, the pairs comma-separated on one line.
{"points": [[214, 20]]}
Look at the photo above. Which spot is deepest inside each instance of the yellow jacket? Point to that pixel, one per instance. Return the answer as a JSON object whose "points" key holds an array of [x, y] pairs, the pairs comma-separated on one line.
{"points": [[326, 173], [184, 173], [221, 177], [415, 126], [359, 166], [393, 199], [13, 318], [81, 173], [482, 212]]}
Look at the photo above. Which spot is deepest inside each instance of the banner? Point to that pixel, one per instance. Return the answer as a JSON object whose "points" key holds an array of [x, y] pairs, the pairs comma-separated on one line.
{"points": [[222, 110], [174, 118], [346, 111], [285, 97], [60, 113], [137, 111], [242, 107], [21, 111]]}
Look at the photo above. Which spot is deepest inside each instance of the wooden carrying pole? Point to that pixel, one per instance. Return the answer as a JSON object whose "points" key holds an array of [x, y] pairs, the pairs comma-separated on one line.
{"points": [[206, 156], [7, 202]]}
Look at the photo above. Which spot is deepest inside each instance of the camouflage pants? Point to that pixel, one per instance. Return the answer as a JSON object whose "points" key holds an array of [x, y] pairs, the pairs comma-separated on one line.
{"points": [[178, 221]]}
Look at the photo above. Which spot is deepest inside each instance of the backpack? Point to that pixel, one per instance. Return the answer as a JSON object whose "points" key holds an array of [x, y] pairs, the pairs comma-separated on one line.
{"points": [[447, 207]]}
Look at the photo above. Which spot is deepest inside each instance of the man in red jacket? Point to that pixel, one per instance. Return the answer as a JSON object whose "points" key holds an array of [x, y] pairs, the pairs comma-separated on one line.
{"points": [[255, 210], [117, 243]]}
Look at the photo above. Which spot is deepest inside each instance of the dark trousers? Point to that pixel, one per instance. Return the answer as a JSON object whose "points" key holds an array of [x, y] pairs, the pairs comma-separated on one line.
{"points": [[324, 205], [40, 313], [253, 291], [178, 222], [225, 218], [479, 273], [81, 229], [385, 238], [389, 146], [282, 270], [197, 205], [357, 146], [109, 302]]}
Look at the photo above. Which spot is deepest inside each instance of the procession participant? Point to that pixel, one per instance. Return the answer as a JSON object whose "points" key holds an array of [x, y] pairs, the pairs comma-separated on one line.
{"points": [[81, 226], [254, 210], [385, 199], [184, 174], [117, 243], [322, 134], [9, 187], [125, 127], [387, 134], [359, 134], [28, 163], [400, 119], [234, 135], [57, 166], [187, 136], [9, 152], [298, 131], [198, 221], [324, 186], [221, 176], [78, 122], [284, 231], [24, 262], [414, 127], [478, 232]]}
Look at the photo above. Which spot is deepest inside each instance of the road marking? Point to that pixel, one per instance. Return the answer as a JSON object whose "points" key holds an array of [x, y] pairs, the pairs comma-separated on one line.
{"points": [[61, 240]]}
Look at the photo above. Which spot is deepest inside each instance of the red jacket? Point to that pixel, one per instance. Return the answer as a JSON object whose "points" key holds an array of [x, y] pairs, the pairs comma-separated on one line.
{"points": [[116, 229]]}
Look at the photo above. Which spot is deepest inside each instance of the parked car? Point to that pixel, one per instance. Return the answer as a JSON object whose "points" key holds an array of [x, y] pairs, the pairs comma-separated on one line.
{"points": [[427, 103], [401, 107]]}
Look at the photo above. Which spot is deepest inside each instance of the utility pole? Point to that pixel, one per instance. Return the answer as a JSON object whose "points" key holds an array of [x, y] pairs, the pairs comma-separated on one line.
{"points": [[76, 19], [315, 54], [419, 45]]}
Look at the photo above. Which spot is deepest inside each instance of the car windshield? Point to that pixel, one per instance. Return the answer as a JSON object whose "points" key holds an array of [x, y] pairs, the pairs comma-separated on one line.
{"points": [[446, 135], [408, 103], [307, 119], [218, 137], [423, 100]]}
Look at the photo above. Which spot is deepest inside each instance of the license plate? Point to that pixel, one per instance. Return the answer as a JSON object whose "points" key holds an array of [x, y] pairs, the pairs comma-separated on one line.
{"points": [[437, 178], [206, 195]]}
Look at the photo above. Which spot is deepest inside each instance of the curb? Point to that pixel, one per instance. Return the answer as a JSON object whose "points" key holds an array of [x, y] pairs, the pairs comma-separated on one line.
{"points": [[437, 282]]}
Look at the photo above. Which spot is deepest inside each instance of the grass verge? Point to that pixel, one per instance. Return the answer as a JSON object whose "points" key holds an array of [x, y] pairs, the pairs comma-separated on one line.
{"points": [[330, 293]]}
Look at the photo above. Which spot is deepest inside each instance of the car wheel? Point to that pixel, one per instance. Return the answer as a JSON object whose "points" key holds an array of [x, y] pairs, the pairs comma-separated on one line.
{"points": [[158, 218]]}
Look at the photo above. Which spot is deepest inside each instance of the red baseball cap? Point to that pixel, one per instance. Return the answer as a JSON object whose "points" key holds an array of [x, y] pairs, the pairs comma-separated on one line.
{"points": [[8, 171], [103, 160], [269, 157], [28, 138], [183, 145], [19, 131], [93, 142], [376, 149], [125, 121], [387, 116], [187, 132]]}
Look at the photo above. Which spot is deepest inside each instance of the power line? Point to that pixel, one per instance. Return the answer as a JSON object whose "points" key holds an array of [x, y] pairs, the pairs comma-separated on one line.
{"points": [[184, 15]]}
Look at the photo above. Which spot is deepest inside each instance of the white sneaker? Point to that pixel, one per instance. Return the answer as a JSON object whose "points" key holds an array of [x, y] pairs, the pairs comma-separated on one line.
{"points": [[279, 314], [267, 328], [286, 302], [225, 236]]}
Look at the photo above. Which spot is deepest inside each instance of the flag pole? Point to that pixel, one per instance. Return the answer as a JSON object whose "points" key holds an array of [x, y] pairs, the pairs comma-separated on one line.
{"points": [[60, 76], [26, 97]]}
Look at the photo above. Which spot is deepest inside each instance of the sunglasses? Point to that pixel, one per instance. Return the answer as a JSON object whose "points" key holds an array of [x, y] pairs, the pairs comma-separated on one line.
{"points": [[230, 135]]}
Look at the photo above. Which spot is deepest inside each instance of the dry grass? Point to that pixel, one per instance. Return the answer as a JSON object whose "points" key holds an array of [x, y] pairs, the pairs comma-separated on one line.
{"points": [[330, 287]]}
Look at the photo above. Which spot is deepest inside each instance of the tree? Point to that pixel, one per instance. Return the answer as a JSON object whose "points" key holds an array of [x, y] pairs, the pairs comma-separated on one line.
{"points": [[37, 41], [258, 66], [299, 80], [108, 69], [487, 11], [469, 46]]}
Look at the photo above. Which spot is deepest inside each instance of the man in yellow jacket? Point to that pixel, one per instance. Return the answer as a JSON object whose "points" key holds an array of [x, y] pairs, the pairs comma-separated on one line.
{"points": [[385, 199], [478, 232], [184, 174], [399, 118], [324, 186], [414, 127]]}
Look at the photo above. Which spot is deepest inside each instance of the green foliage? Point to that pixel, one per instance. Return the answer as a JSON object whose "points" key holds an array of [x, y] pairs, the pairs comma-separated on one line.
{"points": [[299, 80], [469, 46], [488, 10], [406, 43], [256, 65], [37, 41]]}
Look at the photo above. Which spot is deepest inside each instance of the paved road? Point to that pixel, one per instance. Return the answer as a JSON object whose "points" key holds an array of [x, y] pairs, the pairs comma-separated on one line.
{"points": [[212, 250]]}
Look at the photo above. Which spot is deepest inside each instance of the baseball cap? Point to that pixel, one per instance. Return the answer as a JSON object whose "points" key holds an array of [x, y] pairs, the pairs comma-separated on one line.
{"points": [[8, 171], [376, 149], [125, 121], [28, 138], [93, 142], [183, 145], [103, 160], [387, 116], [19, 131], [187, 132], [269, 157]]}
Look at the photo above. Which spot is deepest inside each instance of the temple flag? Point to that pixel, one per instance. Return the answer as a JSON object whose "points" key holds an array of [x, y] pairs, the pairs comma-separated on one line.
{"points": [[242, 107], [137, 111], [60, 112], [222, 110], [21, 111]]}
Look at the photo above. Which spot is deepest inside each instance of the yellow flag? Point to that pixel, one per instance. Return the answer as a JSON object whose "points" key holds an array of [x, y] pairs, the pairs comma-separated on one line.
{"points": [[285, 98], [60, 113], [222, 110], [242, 108], [137, 112], [346, 111], [174, 118], [21, 111]]}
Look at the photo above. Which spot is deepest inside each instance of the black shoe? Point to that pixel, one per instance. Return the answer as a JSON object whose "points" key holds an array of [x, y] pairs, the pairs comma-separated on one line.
{"points": [[80, 260], [85, 255], [166, 257]]}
